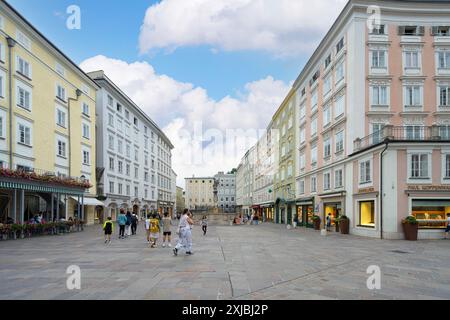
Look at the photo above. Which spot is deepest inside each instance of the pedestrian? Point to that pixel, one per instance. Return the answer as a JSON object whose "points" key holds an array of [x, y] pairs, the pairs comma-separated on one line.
{"points": [[128, 225], [108, 227], [204, 225], [447, 229], [147, 227], [167, 233], [154, 230], [329, 222], [182, 231], [134, 223], [122, 221]]}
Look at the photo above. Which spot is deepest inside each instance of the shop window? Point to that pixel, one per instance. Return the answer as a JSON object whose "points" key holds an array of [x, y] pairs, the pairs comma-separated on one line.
{"points": [[431, 214], [367, 214]]}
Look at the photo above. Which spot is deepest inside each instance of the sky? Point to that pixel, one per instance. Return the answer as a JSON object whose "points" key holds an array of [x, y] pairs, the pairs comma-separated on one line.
{"points": [[211, 73]]}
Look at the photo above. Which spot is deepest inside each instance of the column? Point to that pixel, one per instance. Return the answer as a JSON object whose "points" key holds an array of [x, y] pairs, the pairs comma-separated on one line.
{"points": [[66, 207], [82, 207], [57, 206], [22, 206], [14, 206], [52, 206]]}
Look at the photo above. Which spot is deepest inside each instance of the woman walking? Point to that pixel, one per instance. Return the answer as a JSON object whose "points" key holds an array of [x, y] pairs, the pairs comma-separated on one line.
{"points": [[184, 234], [122, 220], [204, 225], [128, 224]]}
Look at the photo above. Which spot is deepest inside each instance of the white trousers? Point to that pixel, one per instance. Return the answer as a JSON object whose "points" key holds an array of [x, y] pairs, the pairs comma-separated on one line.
{"points": [[128, 230], [185, 239]]}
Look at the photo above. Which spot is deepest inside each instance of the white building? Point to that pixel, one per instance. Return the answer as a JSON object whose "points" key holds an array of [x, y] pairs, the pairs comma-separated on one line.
{"points": [[133, 154]]}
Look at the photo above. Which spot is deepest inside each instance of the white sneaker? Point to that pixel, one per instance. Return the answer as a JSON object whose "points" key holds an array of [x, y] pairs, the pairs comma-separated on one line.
{"points": [[170, 246], [163, 245]]}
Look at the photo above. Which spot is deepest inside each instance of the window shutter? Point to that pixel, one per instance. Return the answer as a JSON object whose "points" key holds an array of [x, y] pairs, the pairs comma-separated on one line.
{"points": [[420, 30], [401, 30]]}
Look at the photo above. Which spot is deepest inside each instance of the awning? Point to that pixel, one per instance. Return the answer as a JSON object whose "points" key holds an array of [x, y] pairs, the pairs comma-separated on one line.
{"points": [[90, 201], [38, 187]]}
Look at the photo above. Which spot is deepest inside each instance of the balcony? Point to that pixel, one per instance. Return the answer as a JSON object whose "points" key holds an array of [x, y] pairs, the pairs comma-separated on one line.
{"points": [[403, 133]]}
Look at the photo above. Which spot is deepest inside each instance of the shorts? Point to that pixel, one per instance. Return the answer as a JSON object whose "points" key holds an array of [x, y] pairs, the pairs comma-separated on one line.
{"points": [[447, 229], [167, 233], [108, 232], [154, 235]]}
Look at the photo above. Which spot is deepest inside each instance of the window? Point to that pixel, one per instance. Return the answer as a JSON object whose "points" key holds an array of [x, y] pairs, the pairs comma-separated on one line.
{"points": [[327, 61], [442, 31], [379, 29], [444, 59], [60, 69], [119, 146], [444, 96], [2, 84], [120, 188], [378, 58], [338, 179], [127, 168], [379, 96], [86, 130], [327, 148], [302, 135], [314, 155], [314, 127], [365, 172], [111, 187], [327, 116], [290, 123], [313, 100], [339, 106], [302, 111], [128, 151], [326, 181], [444, 132], [419, 166], [119, 108], [313, 184], [86, 157], [24, 135], [301, 186], [85, 89], [411, 59], [86, 109], [60, 118], [110, 101], [111, 163], [326, 85], [136, 172], [135, 122], [302, 161], [411, 30], [128, 190], [367, 214], [413, 96], [2, 52], [289, 171], [23, 39], [136, 192], [340, 71], [23, 98], [340, 45], [377, 132], [61, 148], [111, 142], [414, 132], [1, 128], [447, 166], [339, 141], [23, 67], [110, 120]]}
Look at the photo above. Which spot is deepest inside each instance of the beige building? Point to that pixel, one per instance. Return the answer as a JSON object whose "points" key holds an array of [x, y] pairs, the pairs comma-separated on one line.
{"points": [[180, 203], [199, 193]]}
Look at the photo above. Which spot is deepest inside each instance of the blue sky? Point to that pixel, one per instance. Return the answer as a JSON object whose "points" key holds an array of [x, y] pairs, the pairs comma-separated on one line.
{"points": [[112, 28]]}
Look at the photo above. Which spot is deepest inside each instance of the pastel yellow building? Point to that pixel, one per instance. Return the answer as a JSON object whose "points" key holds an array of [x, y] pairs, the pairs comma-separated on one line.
{"points": [[47, 127]]}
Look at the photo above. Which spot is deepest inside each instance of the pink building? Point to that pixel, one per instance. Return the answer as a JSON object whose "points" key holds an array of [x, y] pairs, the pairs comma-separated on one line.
{"points": [[374, 119]]}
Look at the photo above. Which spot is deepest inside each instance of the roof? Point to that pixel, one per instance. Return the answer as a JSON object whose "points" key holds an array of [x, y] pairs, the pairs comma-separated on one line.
{"points": [[40, 35]]}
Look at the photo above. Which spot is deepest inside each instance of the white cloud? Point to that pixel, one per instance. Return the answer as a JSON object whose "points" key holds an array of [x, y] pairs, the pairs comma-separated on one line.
{"points": [[281, 27], [181, 109]]}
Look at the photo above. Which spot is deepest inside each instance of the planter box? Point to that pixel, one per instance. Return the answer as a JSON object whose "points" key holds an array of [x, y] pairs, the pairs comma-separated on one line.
{"points": [[344, 226], [411, 231], [316, 224]]}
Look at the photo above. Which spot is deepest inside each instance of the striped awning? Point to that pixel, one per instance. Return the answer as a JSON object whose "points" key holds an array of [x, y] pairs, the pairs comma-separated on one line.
{"points": [[35, 187]]}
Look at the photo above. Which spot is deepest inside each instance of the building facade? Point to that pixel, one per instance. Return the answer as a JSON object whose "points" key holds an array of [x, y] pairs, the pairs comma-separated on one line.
{"points": [[245, 178], [129, 154], [180, 202], [47, 127], [199, 193], [226, 192]]}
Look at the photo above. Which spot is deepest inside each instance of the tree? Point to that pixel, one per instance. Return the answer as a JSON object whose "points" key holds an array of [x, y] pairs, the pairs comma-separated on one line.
{"points": [[233, 171]]}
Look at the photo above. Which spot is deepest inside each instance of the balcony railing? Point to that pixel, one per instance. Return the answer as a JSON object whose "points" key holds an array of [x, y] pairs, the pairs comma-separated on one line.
{"points": [[42, 176], [403, 133]]}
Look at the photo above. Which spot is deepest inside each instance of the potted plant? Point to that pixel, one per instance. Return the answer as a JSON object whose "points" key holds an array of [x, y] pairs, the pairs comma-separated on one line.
{"points": [[316, 221], [410, 228], [344, 224], [16, 228]]}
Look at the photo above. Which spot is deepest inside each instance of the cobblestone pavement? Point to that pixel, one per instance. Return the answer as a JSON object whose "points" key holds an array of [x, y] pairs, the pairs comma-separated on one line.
{"points": [[240, 262]]}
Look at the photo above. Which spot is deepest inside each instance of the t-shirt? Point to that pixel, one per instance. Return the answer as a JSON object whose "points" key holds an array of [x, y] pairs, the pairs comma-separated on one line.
{"points": [[154, 225], [166, 224], [204, 222], [183, 221]]}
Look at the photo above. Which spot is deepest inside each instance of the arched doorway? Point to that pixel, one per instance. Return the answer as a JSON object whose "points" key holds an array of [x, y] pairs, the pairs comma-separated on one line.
{"points": [[100, 214], [112, 211], [136, 209]]}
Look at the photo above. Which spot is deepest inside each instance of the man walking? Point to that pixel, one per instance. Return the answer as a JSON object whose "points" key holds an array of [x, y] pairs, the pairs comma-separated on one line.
{"points": [[134, 223]]}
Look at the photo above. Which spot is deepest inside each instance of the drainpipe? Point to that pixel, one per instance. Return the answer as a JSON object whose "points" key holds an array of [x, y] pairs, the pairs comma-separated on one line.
{"points": [[381, 187], [11, 44], [78, 94]]}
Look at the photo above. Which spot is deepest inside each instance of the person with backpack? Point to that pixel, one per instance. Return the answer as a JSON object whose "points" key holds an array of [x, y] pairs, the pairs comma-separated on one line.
{"points": [[122, 221], [108, 227], [134, 223], [128, 224]]}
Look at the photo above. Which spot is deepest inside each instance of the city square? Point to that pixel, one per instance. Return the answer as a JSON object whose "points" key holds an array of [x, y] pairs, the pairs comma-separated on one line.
{"points": [[244, 262]]}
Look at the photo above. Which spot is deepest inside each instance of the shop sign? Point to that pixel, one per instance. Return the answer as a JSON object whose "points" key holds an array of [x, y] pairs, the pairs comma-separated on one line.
{"points": [[366, 190], [429, 188]]}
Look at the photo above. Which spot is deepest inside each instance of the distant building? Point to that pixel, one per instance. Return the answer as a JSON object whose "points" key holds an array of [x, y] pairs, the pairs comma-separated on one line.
{"points": [[226, 191], [199, 193], [180, 203]]}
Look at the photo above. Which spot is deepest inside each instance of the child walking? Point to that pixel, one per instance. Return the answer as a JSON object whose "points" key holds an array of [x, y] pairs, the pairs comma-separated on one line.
{"points": [[167, 233], [108, 227], [154, 230], [204, 225]]}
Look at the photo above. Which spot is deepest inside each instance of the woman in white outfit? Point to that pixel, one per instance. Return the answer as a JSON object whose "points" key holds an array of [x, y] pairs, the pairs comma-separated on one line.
{"points": [[184, 234]]}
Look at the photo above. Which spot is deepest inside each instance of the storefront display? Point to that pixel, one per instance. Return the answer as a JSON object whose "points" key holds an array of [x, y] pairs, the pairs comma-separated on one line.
{"points": [[334, 209], [431, 214], [367, 213]]}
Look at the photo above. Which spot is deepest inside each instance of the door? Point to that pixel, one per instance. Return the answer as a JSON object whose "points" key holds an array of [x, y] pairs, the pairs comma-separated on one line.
{"points": [[289, 215]]}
